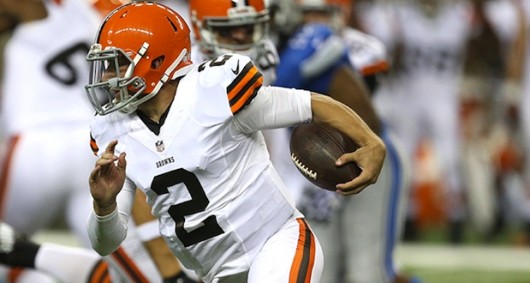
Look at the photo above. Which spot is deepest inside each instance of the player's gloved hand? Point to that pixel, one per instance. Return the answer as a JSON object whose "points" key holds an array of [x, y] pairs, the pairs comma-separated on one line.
{"points": [[15, 250]]}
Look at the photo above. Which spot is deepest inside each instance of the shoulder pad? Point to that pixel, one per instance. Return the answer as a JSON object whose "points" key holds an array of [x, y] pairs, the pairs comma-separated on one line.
{"points": [[367, 53], [236, 74]]}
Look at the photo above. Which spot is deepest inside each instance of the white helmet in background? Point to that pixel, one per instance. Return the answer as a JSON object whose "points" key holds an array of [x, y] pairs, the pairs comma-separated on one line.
{"points": [[338, 11]]}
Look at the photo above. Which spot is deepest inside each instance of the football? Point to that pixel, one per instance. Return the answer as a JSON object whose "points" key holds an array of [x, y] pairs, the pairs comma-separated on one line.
{"points": [[314, 150]]}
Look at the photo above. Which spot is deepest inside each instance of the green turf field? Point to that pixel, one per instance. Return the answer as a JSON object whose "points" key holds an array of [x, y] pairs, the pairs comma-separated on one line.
{"points": [[444, 275], [432, 262], [466, 264]]}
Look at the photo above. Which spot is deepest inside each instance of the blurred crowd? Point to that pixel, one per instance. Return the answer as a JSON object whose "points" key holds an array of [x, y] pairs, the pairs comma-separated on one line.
{"points": [[458, 97]]}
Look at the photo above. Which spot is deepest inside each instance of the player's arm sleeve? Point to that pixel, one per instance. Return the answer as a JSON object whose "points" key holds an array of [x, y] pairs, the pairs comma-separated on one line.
{"points": [[324, 57], [275, 107], [107, 232]]}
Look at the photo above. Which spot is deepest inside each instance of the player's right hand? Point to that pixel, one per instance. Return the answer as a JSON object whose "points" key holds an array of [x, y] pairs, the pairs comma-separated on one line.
{"points": [[107, 179]]}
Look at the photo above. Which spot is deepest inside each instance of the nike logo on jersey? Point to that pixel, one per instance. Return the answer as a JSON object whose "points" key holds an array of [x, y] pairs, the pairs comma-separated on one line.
{"points": [[236, 71]]}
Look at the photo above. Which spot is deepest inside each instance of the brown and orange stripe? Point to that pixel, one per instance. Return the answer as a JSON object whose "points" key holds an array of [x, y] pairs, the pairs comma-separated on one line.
{"points": [[304, 258], [128, 266], [244, 87], [100, 273]]}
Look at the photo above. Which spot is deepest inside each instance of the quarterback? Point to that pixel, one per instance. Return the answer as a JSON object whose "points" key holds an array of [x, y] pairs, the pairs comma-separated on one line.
{"points": [[189, 136]]}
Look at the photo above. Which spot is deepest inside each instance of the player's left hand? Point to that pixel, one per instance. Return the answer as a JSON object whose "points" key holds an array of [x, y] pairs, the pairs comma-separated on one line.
{"points": [[107, 179], [369, 158]]}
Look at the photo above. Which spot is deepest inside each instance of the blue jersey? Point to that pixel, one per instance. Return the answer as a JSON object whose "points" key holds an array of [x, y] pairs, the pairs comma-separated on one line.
{"points": [[307, 45]]}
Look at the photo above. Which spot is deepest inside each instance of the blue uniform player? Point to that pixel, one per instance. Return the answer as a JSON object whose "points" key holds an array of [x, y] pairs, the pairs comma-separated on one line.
{"points": [[321, 57]]}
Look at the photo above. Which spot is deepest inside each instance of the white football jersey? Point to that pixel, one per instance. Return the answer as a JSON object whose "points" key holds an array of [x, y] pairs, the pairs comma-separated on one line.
{"points": [[367, 53], [266, 60], [52, 89], [207, 174]]}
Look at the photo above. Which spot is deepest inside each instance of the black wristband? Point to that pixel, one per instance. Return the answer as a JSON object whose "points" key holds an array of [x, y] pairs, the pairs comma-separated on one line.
{"points": [[22, 255]]}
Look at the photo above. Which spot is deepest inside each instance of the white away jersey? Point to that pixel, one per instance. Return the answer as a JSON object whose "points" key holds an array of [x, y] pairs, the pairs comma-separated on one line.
{"points": [[266, 58], [208, 180], [52, 57], [367, 53]]}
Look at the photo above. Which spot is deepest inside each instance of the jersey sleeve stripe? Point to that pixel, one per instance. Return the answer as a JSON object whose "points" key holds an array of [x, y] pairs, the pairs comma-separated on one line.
{"points": [[128, 266], [7, 166], [246, 95], [304, 259], [94, 145], [100, 273], [241, 80], [378, 67], [244, 87]]}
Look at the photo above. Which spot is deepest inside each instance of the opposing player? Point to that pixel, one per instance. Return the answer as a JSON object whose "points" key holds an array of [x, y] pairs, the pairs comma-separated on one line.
{"points": [[427, 41], [313, 58], [217, 31], [45, 116], [194, 147]]}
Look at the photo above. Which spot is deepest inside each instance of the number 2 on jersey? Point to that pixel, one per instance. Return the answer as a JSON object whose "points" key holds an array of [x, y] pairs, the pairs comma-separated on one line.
{"points": [[198, 203]]}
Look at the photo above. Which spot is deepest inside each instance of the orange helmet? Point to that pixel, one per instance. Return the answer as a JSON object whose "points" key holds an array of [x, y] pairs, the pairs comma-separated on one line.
{"points": [[104, 7], [139, 47], [212, 18]]}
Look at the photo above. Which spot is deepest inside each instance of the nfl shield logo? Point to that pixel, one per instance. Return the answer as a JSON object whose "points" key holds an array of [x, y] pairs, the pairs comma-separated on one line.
{"points": [[160, 146]]}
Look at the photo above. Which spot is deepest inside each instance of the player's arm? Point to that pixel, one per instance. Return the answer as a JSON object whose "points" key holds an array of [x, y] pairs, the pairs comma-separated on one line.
{"points": [[371, 152], [113, 196], [147, 228], [276, 107], [349, 88]]}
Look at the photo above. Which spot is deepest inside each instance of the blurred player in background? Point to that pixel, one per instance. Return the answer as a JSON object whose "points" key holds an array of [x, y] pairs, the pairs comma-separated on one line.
{"points": [[312, 59], [510, 19], [49, 262], [426, 40], [217, 31], [45, 116], [486, 126]]}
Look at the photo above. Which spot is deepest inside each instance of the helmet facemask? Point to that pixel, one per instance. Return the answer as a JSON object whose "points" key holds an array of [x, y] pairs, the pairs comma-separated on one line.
{"points": [[213, 29], [112, 85]]}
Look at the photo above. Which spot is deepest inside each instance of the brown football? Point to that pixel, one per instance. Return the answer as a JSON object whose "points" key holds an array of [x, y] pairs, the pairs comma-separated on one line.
{"points": [[314, 150]]}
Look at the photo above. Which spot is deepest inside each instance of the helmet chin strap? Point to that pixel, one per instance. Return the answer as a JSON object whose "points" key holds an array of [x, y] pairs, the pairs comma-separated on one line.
{"points": [[182, 71]]}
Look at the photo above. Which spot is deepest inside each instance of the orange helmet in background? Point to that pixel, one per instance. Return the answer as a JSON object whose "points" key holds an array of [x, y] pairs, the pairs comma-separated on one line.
{"points": [[104, 7], [210, 17], [142, 45]]}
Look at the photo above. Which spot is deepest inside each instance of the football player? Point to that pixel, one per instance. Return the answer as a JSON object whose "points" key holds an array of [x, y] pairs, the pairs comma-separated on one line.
{"points": [[189, 137], [223, 32], [427, 40], [76, 264], [316, 52], [45, 116], [216, 31]]}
